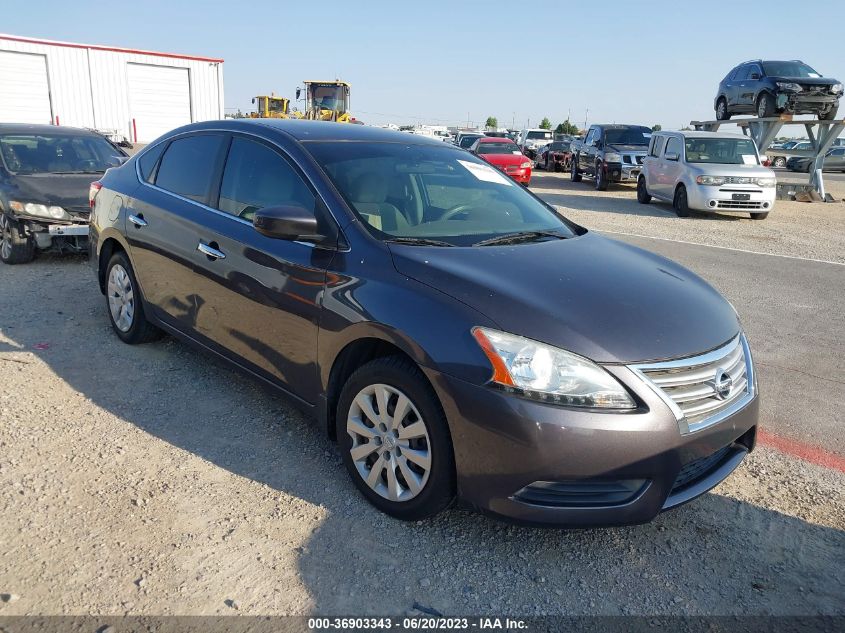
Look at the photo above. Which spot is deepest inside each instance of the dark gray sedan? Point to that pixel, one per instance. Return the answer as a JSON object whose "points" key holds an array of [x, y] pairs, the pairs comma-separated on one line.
{"points": [[456, 335], [834, 160]]}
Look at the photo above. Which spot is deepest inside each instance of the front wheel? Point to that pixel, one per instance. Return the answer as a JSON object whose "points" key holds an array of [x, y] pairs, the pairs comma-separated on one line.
{"points": [[601, 178], [395, 441], [123, 299], [765, 106], [643, 197], [779, 161], [15, 246], [830, 114], [574, 174], [681, 202]]}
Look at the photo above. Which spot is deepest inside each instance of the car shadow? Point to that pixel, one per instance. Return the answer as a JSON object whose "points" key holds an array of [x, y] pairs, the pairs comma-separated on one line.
{"points": [[715, 555]]}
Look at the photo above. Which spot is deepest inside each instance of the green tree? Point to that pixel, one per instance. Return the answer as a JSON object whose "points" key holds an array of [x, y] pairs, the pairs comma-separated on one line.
{"points": [[567, 127], [656, 128], [492, 122], [545, 123]]}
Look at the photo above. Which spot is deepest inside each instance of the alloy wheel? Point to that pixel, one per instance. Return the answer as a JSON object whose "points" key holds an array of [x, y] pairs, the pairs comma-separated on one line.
{"points": [[390, 449], [121, 298], [5, 237]]}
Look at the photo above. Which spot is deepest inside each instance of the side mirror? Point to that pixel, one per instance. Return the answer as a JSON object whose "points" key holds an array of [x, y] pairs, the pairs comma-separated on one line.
{"points": [[754, 76], [599, 144], [672, 156], [292, 223]]}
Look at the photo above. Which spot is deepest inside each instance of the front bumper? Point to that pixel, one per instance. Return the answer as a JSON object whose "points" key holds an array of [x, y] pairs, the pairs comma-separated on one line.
{"points": [[521, 175], [722, 198], [504, 444], [804, 103], [622, 172]]}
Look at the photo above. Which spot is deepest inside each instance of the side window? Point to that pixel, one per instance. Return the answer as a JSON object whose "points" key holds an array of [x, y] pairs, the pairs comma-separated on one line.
{"points": [[147, 161], [673, 145], [187, 166], [657, 146], [591, 137], [754, 69], [256, 177], [737, 73]]}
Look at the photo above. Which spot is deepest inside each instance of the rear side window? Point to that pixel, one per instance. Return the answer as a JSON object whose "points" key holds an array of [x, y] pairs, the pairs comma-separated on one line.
{"points": [[147, 161], [187, 166], [256, 177], [657, 146], [673, 145]]}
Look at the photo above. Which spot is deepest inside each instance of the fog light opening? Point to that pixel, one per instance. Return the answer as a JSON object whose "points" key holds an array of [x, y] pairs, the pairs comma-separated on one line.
{"points": [[765, 205], [711, 204]]}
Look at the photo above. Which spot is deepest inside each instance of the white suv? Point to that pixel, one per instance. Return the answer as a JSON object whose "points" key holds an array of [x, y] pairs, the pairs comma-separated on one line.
{"points": [[707, 171]]}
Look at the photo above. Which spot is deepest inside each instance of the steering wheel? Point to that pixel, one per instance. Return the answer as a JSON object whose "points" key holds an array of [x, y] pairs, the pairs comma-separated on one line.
{"points": [[456, 210]]}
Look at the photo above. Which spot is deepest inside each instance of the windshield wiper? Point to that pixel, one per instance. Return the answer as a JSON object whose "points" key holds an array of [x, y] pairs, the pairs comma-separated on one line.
{"points": [[74, 172], [522, 236], [418, 241]]}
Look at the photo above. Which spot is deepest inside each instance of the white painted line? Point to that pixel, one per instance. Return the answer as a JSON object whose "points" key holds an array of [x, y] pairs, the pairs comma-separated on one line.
{"points": [[727, 248]]}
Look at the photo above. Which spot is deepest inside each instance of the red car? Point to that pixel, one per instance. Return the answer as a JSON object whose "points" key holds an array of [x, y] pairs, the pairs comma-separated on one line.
{"points": [[504, 154]]}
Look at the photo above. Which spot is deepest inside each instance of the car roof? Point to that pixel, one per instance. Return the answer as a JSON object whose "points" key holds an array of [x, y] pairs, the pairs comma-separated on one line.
{"points": [[52, 130], [495, 139], [614, 126], [699, 134]]}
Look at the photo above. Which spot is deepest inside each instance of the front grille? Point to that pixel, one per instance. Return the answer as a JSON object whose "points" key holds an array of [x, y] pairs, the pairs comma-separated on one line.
{"points": [[630, 159], [701, 388], [585, 493], [738, 204], [698, 468]]}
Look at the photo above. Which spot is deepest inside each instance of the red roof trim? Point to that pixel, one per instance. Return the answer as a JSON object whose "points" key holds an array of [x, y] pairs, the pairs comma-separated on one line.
{"points": [[30, 40]]}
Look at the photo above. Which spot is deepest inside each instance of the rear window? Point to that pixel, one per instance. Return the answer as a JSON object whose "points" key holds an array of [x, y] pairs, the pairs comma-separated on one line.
{"points": [[147, 161], [537, 134], [187, 166]]}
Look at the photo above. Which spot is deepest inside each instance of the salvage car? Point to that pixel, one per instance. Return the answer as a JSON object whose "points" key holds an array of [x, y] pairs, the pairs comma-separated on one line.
{"points": [[707, 171], [834, 160], [556, 156], [45, 172], [610, 153], [768, 88], [505, 155], [457, 336]]}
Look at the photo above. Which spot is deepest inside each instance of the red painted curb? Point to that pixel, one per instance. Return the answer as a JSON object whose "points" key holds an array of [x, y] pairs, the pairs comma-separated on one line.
{"points": [[807, 452]]}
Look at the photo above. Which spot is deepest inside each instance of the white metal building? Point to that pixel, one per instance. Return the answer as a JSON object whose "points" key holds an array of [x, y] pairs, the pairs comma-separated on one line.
{"points": [[136, 94]]}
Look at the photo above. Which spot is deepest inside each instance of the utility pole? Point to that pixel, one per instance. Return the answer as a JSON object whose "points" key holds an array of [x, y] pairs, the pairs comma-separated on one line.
{"points": [[467, 119], [586, 117]]}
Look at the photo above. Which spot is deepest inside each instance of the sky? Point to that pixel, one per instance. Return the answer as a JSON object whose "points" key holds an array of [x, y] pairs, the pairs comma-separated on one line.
{"points": [[449, 63]]}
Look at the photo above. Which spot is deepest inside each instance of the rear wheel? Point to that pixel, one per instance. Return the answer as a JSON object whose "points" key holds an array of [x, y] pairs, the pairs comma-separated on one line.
{"points": [[722, 110], [765, 105], [601, 178], [123, 299], [395, 441], [643, 196], [779, 161], [574, 174], [15, 246], [681, 203]]}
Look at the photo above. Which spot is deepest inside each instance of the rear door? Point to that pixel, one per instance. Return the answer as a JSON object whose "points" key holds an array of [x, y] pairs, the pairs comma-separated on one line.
{"points": [[734, 84], [162, 223], [258, 298]]}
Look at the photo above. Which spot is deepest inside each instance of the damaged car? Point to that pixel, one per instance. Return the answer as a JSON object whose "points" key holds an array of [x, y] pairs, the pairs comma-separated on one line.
{"points": [[45, 174]]}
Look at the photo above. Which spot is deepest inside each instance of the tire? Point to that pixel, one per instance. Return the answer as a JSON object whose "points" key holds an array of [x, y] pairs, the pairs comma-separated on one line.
{"points": [[680, 202], [779, 161], [722, 113], [574, 174], [15, 246], [546, 167], [759, 216], [830, 114], [124, 305], [809, 169], [395, 377], [765, 105], [643, 197], [601, 178]]}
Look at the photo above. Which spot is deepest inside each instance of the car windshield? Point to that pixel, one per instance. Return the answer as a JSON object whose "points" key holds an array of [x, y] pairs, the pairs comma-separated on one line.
{"points": [[538, 134], [788, 69], [410, 193], [467, 141], [627, 136], [557, 147], [722, 151], [60, 153], [498, 148]]}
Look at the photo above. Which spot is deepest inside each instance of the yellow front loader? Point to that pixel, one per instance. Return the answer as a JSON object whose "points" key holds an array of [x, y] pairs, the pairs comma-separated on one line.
{"points": [[271, 107], [326, 101]]}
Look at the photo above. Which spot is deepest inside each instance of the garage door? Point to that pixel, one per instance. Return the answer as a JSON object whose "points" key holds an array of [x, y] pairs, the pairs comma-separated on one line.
{"points": [[24, 90], [159, 99]]}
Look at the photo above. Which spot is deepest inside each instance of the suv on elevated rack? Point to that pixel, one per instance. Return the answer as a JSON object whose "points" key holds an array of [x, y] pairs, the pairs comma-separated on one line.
{"points": [[768, 88], [610, 153]]}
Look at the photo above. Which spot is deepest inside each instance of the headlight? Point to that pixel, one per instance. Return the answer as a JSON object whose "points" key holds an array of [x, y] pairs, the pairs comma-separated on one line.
{"points": [[612, 157], [524, 165], [550, 374], [766, 182], [836, 88], [788, 85], [39, 210], [710, 180]]}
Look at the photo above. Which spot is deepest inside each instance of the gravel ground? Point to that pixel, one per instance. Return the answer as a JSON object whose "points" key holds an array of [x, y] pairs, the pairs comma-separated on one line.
{"points": [[154, 480], [813, 230]]}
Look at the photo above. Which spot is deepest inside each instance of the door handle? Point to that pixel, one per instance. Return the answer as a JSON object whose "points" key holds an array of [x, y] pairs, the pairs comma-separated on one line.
{"points": [[137, 220], [210, 251]]}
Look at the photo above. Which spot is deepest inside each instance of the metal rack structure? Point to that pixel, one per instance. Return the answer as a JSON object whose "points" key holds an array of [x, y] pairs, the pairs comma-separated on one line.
{"points": [[821, 134]]}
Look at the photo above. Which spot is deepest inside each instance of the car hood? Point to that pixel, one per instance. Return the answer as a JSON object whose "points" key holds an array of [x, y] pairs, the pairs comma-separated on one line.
{"points": [[741, 171], [808, 81], [629, 148], [64, 190], [501, 160], [597, 297]]}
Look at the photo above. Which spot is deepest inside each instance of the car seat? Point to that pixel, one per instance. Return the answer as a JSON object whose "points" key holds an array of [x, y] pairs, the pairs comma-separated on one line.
{"points": [[369, 194]]}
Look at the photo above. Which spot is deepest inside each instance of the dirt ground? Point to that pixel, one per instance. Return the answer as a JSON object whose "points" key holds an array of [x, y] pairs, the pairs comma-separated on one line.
{"points": [[154, 480]]}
